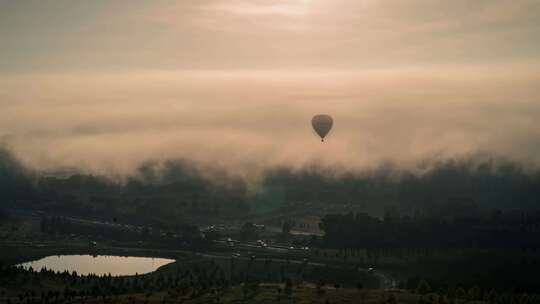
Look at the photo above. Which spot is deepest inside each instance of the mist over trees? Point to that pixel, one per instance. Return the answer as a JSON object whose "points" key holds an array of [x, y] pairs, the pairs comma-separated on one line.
{"points": [[178, 189], [158, 193], [16, 182], [448, 187]]}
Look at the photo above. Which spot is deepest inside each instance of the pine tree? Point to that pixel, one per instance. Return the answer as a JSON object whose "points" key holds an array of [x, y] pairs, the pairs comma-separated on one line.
{"points": [[423, 287]]}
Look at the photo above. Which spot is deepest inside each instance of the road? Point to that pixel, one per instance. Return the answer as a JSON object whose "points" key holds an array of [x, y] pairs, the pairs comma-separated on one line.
{"points": [[386, 281]]}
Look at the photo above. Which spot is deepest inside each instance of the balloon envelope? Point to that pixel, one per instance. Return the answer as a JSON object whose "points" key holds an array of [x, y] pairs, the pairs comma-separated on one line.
{"points": [[322, 124]]}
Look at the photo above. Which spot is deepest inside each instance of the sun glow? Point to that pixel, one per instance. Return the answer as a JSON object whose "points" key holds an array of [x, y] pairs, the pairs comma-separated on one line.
{"points": [[293, 8]]}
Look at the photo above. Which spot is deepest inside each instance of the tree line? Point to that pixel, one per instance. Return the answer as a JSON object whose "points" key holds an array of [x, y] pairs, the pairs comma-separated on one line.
{"points": [[520, 230], [161, 193]]}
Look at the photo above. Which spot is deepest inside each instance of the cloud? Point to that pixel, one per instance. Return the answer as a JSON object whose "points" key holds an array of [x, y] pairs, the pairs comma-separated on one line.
{"points": [[108, 86], [266, 34], [251, 120]]}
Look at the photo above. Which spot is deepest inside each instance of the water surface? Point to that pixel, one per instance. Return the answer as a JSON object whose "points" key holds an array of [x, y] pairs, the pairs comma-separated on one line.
{"points": [[101, 264]]}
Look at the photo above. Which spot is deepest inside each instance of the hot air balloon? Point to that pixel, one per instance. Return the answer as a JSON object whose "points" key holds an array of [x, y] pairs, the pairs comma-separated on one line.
{"points": [[322, 124]]}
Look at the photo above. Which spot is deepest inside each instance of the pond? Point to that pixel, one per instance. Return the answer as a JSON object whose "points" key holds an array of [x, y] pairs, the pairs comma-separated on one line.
{"points": [[99, 265]]}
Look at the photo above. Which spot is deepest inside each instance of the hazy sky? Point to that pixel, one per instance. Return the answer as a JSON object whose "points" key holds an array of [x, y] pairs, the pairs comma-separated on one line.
{"points": [[104, 85]]}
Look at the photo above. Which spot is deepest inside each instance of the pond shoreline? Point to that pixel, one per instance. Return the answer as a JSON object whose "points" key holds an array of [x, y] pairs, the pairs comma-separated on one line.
{"points": [[22, 253], [85, 265]]}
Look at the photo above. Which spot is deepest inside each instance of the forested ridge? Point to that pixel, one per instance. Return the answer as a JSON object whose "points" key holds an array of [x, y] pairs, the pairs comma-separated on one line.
{"points": [[176, 189]]}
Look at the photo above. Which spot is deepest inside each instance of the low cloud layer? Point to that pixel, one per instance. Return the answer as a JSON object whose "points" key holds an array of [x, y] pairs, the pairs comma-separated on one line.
{"points": [[246, 121]]}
